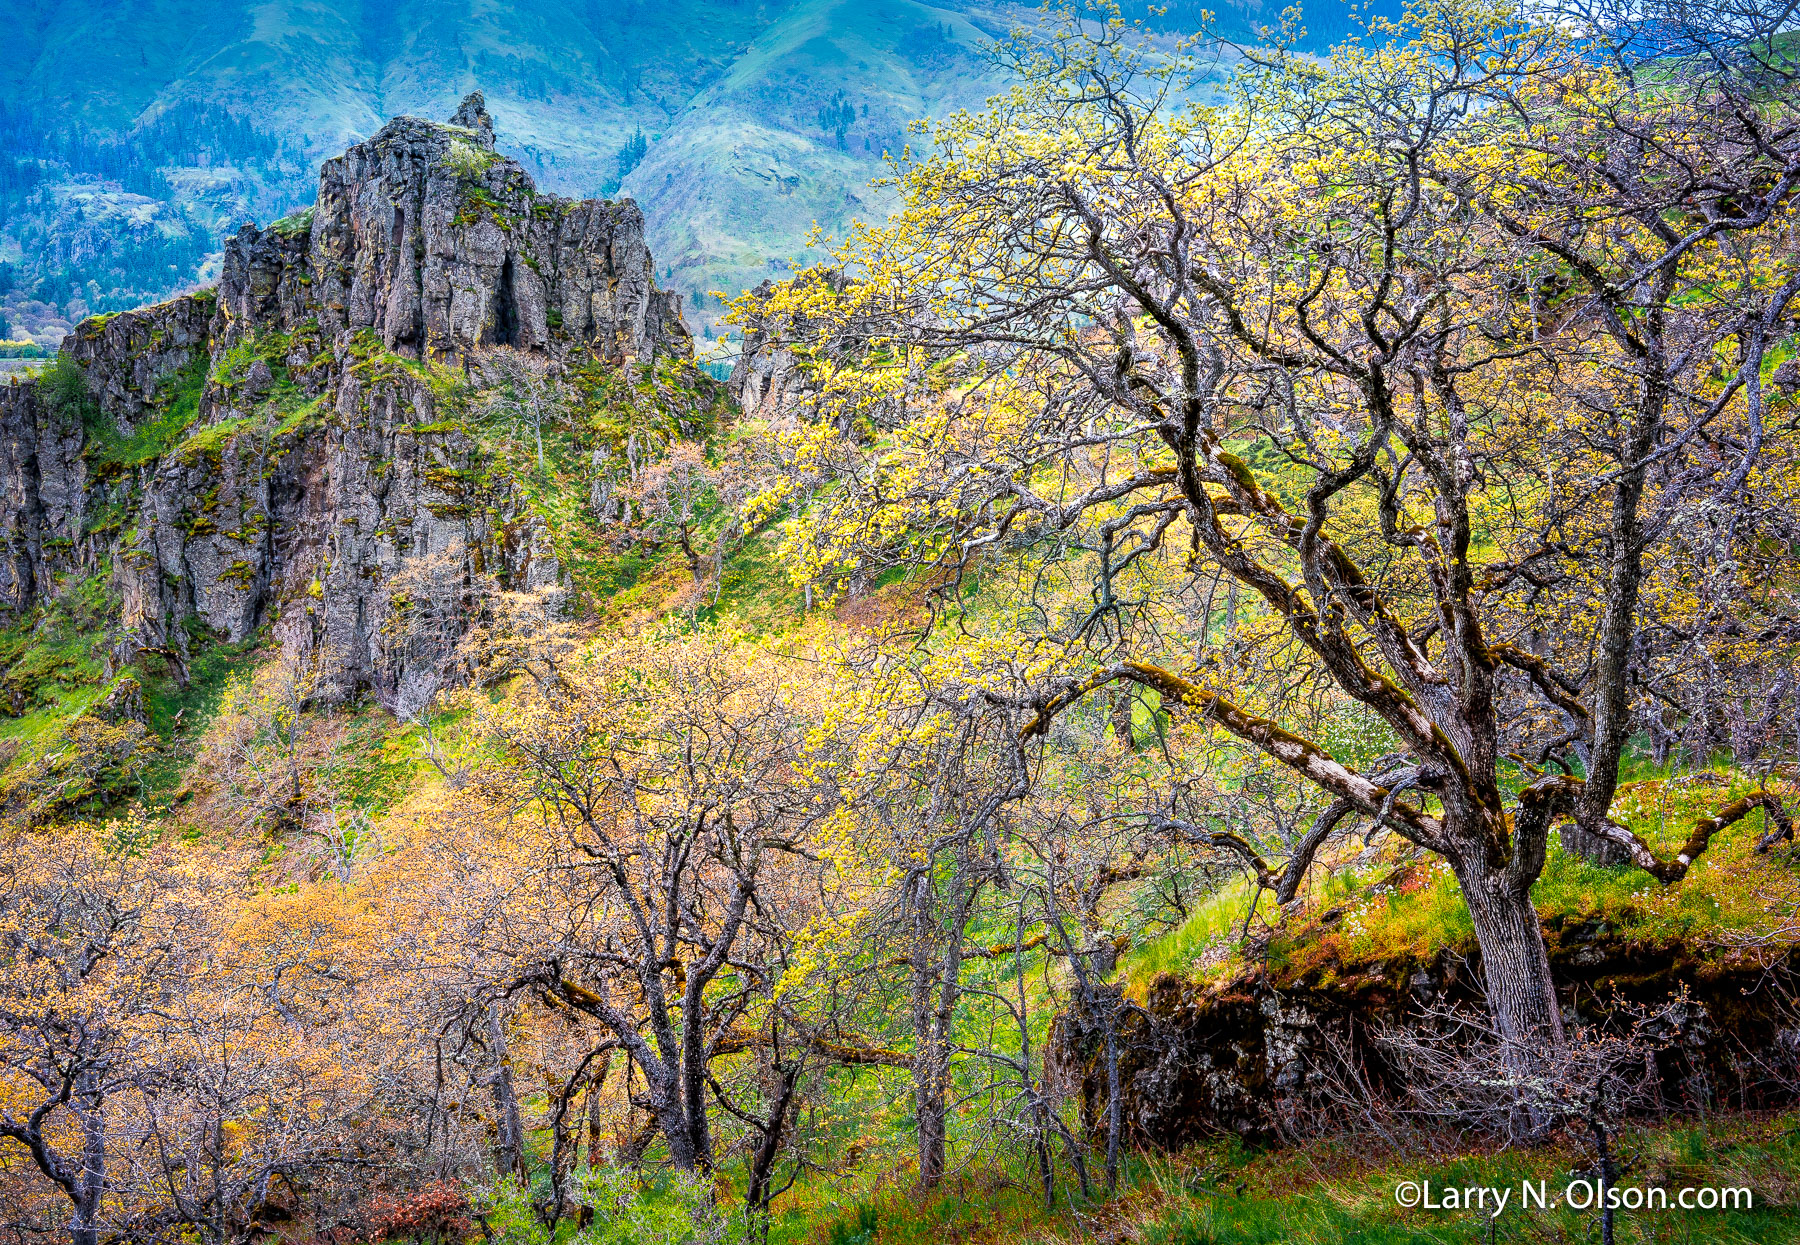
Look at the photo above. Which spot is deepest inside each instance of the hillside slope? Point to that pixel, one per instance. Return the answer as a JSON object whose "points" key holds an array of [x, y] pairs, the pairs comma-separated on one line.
{"points": [[134, 137], [571, 85], [301, 450]]}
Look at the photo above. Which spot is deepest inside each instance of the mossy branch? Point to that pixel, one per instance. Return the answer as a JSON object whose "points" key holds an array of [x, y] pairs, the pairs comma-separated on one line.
{"points": [[1779, 825], [1299, 754]]}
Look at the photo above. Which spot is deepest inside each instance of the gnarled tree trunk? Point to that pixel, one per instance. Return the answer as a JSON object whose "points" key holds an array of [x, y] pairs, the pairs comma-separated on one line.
{"points": [[1515, 963]]}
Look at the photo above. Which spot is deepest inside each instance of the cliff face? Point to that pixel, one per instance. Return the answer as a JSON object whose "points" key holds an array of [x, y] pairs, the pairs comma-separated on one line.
{"points": [[279, 451], [764, 379], [426, 236]]}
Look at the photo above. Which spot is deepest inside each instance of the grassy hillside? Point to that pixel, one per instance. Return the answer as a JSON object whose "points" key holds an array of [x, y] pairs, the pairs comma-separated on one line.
{"points": [[793, 133]]}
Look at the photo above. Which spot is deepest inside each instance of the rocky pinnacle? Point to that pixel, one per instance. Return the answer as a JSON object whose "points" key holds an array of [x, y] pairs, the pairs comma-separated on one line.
{"points": [[276, 453]]}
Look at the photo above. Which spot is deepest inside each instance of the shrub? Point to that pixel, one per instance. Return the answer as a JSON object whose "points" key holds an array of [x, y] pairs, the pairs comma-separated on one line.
{"points": [[465, 159], [629, 1208], [64, 390]]}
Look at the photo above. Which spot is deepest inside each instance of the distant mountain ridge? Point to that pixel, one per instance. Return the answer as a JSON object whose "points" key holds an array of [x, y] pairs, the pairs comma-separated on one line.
{"points": [[735, 124]]}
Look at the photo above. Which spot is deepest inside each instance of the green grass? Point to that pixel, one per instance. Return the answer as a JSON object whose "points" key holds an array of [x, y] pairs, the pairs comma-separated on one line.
{"points": [[57, 657], [374, 763], [53, 665], [1381, 912], [753, 593], [1282, 1199], [37, 729], [1328, 1192], [53, 672], [299, 418], [179, 714], [210, 441], [295, 224], [176, 405], [1184, 951], [994, 1201]]}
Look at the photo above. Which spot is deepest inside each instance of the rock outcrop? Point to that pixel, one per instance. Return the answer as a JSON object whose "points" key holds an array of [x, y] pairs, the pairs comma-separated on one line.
{"points": [[1269, 1054], [763, 379], [767, 379], [40, 471], [276, 452], [440, 246]]}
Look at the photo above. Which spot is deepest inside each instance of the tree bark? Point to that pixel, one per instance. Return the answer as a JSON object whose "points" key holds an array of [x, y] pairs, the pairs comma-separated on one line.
{"points": [[928, 1099], [1121, 718], [681, 1145], [936, 988], [566, 1131], [510, 1145], [1515, 968], [1514, 961], [1115, 1123], [761, 1187], [90, 1182]]}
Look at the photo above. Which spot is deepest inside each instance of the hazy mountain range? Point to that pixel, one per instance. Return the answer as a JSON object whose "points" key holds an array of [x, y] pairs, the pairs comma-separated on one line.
{"points": [[135, 133]]}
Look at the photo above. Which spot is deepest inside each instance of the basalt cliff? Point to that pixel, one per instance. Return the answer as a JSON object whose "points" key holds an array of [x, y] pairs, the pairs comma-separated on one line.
{"points": [[278, 451], [1304, 1039]]}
